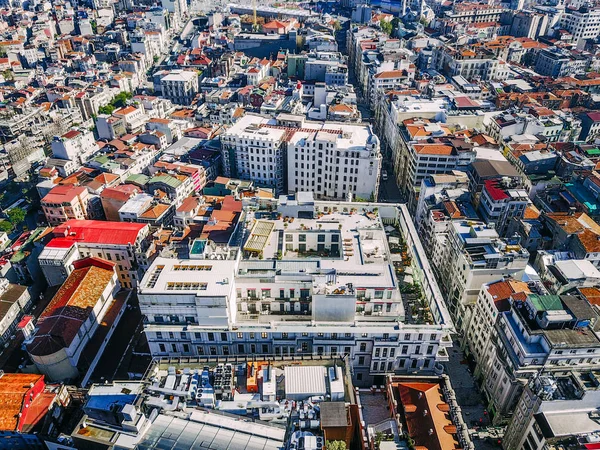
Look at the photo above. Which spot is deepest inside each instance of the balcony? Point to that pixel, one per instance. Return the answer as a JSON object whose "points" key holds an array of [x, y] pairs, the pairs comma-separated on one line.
{"points": [[442, 355]]}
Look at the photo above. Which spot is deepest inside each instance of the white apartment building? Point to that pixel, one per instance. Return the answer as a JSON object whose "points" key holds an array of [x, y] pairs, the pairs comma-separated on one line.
{"points": [[386, 80], [583, 24], [329, 159], [469, 255], [430, 158], [555, 411], [480, 333], [180, 86], [334, 160], [133, 118], [75, 145], [548, 333], [324, 284], [254, 149]]}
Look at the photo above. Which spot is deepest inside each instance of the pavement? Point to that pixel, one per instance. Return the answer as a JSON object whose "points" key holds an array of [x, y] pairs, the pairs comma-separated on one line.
{"points": [[120, 343], [388, 190], [469, 397]]}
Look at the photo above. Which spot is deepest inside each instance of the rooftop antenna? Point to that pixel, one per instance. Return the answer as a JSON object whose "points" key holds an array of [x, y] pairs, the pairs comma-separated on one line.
{"points": [[254, 22]]}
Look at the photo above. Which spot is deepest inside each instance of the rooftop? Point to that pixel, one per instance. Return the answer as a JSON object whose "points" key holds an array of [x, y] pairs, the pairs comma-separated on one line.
{"points": [[95, 232], [71, 306]]}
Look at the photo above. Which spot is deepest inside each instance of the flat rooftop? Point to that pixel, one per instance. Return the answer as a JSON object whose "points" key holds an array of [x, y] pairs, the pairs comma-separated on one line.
{"points": [[204, 277]]}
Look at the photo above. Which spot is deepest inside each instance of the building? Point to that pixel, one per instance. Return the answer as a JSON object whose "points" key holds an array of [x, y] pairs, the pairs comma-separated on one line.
{"points": [[425, 408], [180, 86], [582, 23], [501, 203], [333, 268], [428, 157], [555, 62], [529, 24], [125, 244], [334, 160], [138, 414], [75, 145], [480, 333], [253, 150], [132, 118], [85, 304], [114, 198], [468, 255], [23, 401], [15, 301], [548, 333], [66, 202], [590, 126], [556, 410]]}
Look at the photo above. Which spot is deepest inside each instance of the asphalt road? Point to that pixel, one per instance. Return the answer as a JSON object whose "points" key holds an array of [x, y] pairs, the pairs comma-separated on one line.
{"points": [[469, 398]]}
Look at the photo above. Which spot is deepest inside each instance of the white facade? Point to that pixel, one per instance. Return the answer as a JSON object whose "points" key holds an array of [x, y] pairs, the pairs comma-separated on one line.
{"points": [[253, 151], [180, 86], [76, 146], [333, 160], [224, 307]]}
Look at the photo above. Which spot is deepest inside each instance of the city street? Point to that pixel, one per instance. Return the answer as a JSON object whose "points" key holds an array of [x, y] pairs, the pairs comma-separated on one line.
{"points": [[468, 395]]}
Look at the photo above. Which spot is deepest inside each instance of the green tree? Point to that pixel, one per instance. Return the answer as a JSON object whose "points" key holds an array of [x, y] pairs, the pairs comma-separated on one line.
{"points": [[6, 226], [16, 216], [336, 26], [335, 445], [8, 75], [386, 27], [2, 51], [108, 109]]}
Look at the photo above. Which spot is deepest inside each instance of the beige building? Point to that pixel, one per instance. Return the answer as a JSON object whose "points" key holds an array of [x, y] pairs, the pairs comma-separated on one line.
{"points": [[65, 202]]}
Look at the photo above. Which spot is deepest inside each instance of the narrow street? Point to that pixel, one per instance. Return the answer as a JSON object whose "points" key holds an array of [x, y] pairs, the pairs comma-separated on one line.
{"points": [[469, 397]]}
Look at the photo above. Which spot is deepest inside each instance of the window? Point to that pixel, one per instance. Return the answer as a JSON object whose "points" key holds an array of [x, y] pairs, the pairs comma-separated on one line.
{"points": [[407, 337], [361, 360], [430, 349], [186, 348], [377, 353], [213, 351], [301, 238], [321, 238], [161, 348], [241, 348], [363, 347], [265, 348], [224, 337], [405, 349], [158, 335], [240, 335], [211, 336], [392, 352]]}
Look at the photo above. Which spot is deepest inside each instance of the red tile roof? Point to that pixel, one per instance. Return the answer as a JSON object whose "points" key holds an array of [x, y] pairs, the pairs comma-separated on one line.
{"points": [[13, 388], [63, 193], [95, 232]]}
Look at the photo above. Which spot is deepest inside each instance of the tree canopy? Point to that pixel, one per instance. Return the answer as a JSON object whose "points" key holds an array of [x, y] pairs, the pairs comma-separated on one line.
{"points": [[386, 27]]}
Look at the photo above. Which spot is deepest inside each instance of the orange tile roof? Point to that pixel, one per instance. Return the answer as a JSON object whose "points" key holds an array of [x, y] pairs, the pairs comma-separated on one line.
{"points": [[71, 306], [155, 212], [531, 212], [13, 387], [433, 149], [428, 425], [592, 295]]}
